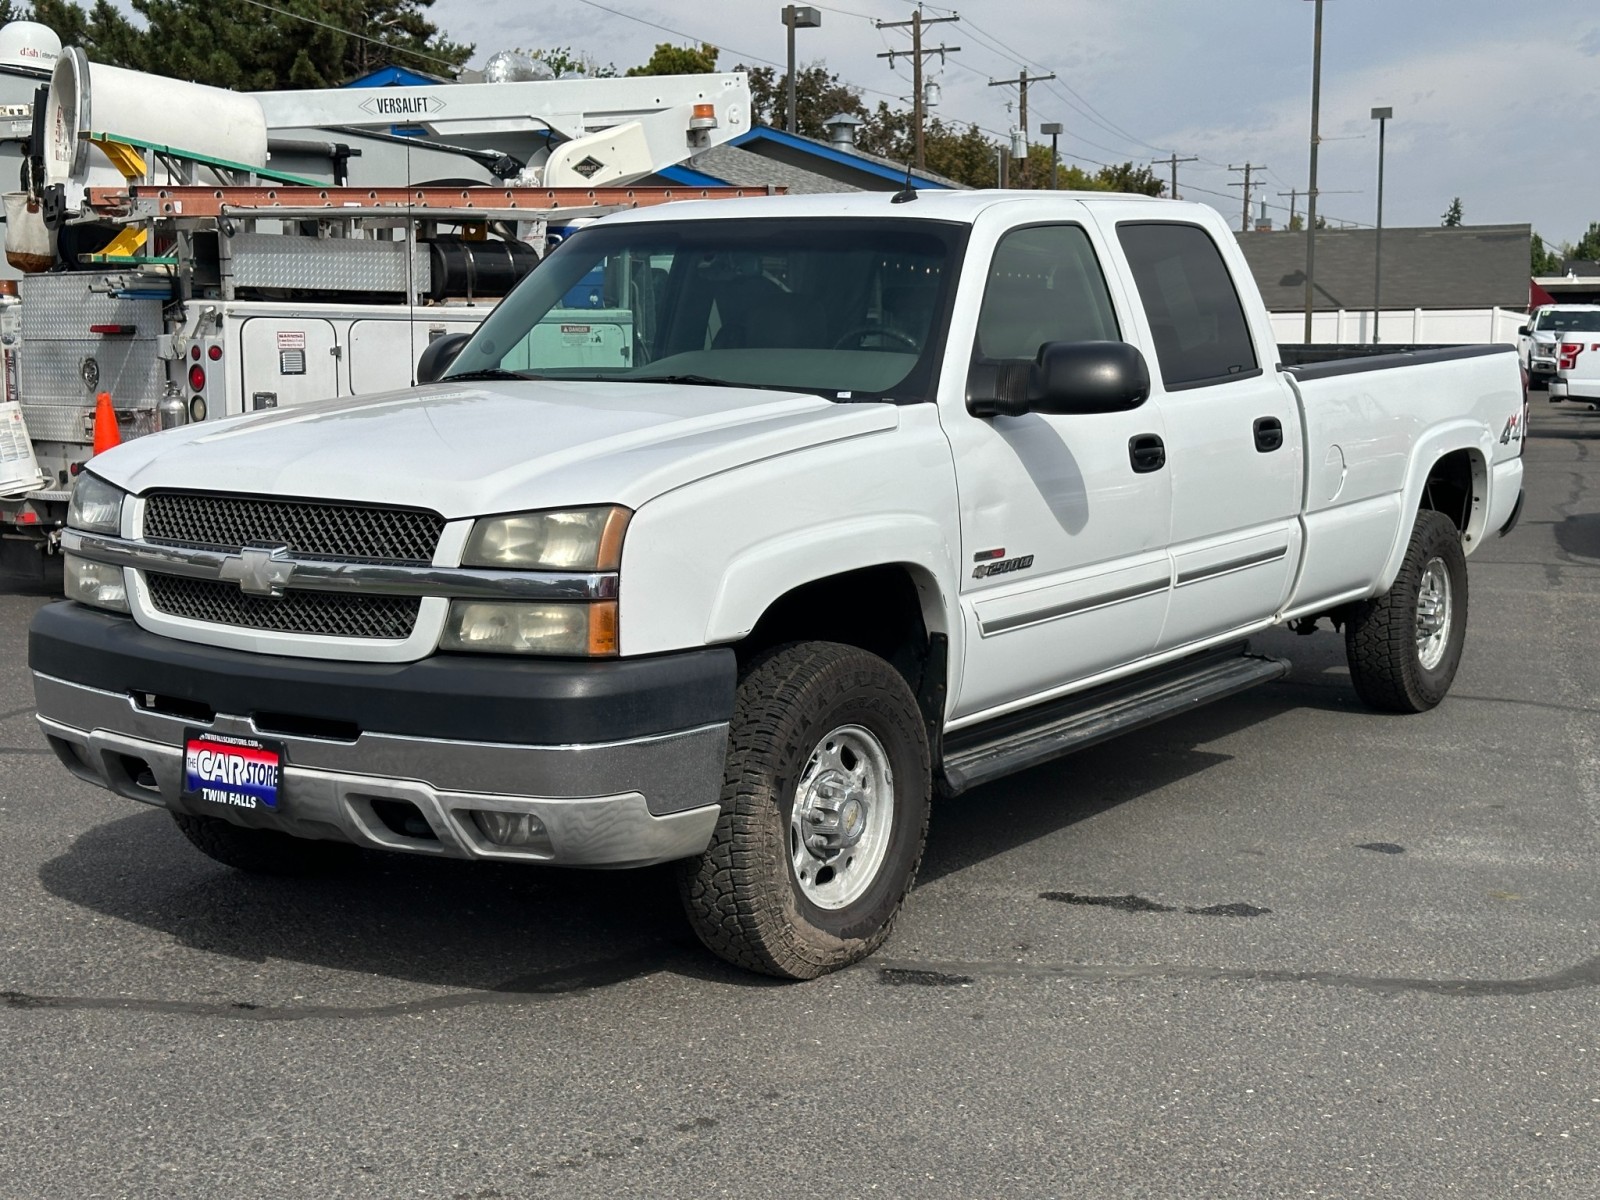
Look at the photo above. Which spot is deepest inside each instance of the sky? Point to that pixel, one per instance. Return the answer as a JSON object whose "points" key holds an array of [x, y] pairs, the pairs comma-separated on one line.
{"points": [[1481, 89]]}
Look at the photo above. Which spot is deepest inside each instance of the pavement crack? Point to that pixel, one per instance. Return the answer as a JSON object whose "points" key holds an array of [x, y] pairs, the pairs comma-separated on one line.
{"points": [[1585, 974], [540, 985]]}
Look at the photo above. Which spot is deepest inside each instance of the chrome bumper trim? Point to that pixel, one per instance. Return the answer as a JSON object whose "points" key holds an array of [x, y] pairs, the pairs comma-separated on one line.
{"points": [[610, 805], [317, 575]]}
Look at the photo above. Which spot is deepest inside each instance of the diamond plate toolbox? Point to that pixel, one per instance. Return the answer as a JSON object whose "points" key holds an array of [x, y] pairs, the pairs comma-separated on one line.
{"points": [[325, 264], [58, 353]]}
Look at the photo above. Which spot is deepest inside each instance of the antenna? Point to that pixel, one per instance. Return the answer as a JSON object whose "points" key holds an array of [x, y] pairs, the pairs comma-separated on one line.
{"points": [[411, 266], [907, 193]]}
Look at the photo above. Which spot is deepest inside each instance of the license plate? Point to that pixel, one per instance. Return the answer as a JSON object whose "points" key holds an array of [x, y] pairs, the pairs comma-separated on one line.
{"points": [[232, 772]]}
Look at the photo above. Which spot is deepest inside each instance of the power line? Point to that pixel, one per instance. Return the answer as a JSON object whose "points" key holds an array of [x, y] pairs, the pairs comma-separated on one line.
{"points": [[283, 12]]}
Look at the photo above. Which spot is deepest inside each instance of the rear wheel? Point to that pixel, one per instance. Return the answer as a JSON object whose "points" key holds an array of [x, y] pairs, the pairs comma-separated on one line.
{"points": [[824, 813], [1405, 645], [263, 851]]}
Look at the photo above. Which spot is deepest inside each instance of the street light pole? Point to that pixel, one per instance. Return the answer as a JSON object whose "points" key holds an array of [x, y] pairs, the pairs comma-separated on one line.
{"points": [[1053, 128], [1311, 190], [1381, 116], [797, 16]]}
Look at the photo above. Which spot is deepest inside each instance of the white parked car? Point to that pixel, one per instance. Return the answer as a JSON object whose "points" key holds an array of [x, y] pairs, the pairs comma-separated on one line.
{"points": [[836, 504]]}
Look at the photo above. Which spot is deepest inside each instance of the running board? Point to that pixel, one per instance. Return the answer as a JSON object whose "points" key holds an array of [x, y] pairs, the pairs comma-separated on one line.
{"points": [[1026, 739]]}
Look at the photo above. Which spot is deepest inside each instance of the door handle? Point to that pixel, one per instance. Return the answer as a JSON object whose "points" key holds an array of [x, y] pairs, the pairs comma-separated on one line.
{"points": [[1269, 434], [1147, 453]]}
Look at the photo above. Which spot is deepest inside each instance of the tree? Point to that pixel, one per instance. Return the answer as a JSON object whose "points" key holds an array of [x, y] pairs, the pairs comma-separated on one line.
{"points": [[679, 60], [964, 155], [231, 44], [1588, 247], [565, 61], [1452, 215], [818, 95], [1543, 261]]}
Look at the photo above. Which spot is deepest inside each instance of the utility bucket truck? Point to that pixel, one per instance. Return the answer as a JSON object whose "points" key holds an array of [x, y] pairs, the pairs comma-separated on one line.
{"points": [[208, 268]]}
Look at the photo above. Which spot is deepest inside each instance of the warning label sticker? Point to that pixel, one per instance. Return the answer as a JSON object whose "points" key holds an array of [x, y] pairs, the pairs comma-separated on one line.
{"points": [[291, 339]]}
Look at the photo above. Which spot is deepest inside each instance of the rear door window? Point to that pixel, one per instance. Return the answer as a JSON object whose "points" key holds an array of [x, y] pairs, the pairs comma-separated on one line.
{"points": [[1196, 320]]}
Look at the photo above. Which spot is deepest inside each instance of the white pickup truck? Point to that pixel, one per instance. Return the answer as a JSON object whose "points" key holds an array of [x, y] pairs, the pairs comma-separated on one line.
{"points": [[1540, 341], [1575, 355], [834, 505]]}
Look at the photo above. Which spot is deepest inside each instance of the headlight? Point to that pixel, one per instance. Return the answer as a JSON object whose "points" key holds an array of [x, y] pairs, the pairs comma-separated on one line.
{"points": [[571, 630], [96, 506], [94, 583], [580, 539]]}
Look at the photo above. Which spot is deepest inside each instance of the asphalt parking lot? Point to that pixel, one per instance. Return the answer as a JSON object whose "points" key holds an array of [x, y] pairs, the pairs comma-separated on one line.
{"points": [[1280, 947]]}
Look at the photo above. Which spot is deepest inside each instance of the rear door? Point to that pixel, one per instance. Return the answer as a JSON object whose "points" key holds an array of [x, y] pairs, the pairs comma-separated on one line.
{"points": [[1232, 429], [286, 361]]}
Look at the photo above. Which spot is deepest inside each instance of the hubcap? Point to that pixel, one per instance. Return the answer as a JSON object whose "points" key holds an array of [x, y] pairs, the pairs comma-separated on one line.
{"points": [[1433, 614], [843, 815]]}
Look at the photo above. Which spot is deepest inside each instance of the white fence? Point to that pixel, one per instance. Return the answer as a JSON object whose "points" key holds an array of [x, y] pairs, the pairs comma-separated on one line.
{"points": [[1415, 326]]}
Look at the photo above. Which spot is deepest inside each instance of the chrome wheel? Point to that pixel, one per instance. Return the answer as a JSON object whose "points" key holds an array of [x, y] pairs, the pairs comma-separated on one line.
{"points": [[843, 816], [1433, 614]]}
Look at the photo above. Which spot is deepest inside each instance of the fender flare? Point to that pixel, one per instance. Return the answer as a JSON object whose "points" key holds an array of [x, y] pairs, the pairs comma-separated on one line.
{"points": [[752, 582], [1432, 446]]}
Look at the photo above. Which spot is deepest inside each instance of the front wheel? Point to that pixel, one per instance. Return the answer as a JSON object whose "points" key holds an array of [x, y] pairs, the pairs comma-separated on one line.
{"points": [[824, 814], [1405, 645]]}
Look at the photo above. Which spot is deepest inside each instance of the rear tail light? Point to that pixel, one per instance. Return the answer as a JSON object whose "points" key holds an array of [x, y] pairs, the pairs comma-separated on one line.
{"points": [[1568, 352], [197, 378], [214, 353]]}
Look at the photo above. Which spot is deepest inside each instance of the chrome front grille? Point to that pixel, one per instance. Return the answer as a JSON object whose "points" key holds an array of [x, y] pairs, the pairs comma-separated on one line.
{"points": [[331, 614], [311, 529]]}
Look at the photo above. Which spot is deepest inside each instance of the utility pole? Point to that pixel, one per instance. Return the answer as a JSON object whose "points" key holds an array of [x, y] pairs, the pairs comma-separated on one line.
{"points": [[1173, 162], [1311, 188], [1294, 195], [1021, 82], [917, 54], [1244, 219]]}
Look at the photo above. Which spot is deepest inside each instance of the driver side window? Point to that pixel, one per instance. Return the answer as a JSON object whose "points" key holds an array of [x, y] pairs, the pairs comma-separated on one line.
{"points": [[1045, 285]]}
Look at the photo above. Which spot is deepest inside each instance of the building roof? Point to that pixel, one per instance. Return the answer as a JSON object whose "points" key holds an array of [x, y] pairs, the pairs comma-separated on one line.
{"points": [[1466, 266], [742, 168], [864, 171], [393, 76]]}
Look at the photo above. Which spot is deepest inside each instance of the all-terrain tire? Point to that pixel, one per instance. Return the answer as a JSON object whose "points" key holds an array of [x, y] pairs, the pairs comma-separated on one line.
{"points": [[264, 851], [1381, 635], [744, 896]]}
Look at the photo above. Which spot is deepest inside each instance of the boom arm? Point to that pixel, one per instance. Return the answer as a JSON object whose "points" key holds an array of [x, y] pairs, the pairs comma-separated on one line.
{"points": [[609, 130]]}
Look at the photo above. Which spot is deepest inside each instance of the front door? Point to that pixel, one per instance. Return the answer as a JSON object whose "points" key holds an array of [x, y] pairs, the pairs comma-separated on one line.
{"points": [[1064, 535]]}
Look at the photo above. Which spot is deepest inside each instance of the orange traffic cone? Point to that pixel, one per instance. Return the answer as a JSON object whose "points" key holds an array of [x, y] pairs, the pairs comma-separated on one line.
{"points": [[106, 433]]}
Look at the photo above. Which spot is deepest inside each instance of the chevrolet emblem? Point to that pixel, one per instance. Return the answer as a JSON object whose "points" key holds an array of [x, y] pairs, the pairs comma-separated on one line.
{"points": [[259, 570]]}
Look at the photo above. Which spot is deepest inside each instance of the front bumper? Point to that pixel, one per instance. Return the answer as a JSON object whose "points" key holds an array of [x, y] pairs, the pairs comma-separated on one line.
{"points": [[397, 757]]}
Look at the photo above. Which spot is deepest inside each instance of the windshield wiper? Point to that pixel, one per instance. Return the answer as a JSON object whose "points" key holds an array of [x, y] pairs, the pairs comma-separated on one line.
{"points": [[704, 380], [489, 373]]}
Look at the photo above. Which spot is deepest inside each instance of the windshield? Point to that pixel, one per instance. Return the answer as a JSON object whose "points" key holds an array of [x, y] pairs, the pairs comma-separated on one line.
{"points": [[1557, 322], [848, 309]]}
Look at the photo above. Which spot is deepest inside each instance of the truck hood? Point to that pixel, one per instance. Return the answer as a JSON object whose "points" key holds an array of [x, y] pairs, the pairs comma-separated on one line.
{"points": [[468, 450]]}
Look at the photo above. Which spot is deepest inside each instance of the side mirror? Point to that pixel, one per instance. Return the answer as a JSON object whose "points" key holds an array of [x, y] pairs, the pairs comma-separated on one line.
{"points": [[1066, 378], [1523, 331], [438, 356]]}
